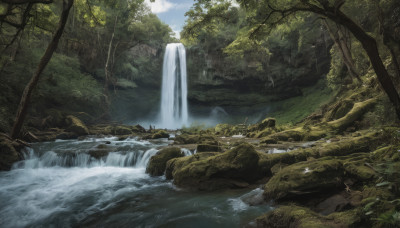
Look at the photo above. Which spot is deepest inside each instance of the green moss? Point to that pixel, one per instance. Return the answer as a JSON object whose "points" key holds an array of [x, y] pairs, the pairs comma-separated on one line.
{"points": [[305, 177], [296, 216], [138, 129], [349, 218], [295, 109], [264, 133], [355, 113], [157, 135], [235, 167], [224, 129], [176, 164], [121, 130], [299, 134], [76, 125], [158, 162], [388, 153], [194, 139], [367, 142]]}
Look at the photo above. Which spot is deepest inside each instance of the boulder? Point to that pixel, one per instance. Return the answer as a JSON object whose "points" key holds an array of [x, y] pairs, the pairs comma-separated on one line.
{"points": [[307, 177], [117, 130], [224, 129], [301, 217], [176, 164], [157, 135], [158, 162], [266, 123], [194, 139], [100, 151], [234, 168], [332, 204], [138, 129], [122, 130], [76, 126]]}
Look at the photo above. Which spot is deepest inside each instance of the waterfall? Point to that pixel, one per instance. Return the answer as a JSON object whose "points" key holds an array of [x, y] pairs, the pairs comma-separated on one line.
{"points": [[33, 160], [174, 108]]}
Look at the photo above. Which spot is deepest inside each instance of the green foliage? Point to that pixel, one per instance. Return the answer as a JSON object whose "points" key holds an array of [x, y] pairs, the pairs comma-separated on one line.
{"points": [[335, 75], [63, 77], [390, 218], [62, 84], [74, 79], [295, 109]]}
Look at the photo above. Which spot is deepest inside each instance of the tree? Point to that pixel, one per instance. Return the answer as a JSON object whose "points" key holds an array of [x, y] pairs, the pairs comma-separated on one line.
{"points": [[264, 16], [26, 96]]}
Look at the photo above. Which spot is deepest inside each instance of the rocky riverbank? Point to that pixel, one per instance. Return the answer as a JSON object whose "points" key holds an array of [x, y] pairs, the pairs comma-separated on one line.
{"points": [[324, 173]]}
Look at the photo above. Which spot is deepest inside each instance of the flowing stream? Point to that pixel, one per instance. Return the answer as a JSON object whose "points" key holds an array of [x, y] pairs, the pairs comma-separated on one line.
{"points": [[61, 185]]}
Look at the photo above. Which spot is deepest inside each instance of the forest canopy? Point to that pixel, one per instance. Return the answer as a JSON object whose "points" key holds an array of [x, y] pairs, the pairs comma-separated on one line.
{"points": [[97, 53], [365, 33]]}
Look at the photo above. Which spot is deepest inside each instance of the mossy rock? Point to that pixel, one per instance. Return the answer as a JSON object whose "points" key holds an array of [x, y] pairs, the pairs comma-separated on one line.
{"points": [[122, 130], [265, 124], [264, 133], [305, 178], [388, 153], [224, 129], [366, 142], [194, 139], [301, 217], [208, 148], [117, 130], [318, 175], [158, 162], [8, 154], [138, 129], [295, 135], [267, 161], [100, 151], [160, 134], [355, 167], [76, 126], [359, 109], [176, 164], [268, 140], [234, 168], [339, 110], [157, 135]]}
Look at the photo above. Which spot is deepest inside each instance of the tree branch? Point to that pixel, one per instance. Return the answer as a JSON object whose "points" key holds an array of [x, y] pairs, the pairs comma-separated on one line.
{"points": [[19, 2]]}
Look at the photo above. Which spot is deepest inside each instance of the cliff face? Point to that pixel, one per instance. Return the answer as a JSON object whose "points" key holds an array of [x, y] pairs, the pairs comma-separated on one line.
{"points": [[216, 80], [242, 88]]}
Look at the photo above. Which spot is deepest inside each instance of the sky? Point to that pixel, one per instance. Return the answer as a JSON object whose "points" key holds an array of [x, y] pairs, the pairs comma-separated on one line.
{"points": [[171, 12]]}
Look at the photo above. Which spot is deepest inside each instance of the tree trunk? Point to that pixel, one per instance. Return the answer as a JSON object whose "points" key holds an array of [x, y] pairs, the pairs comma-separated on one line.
{"points": [[107, 72], [26, 96], [344, 51], [390, 43], [370, 46]]}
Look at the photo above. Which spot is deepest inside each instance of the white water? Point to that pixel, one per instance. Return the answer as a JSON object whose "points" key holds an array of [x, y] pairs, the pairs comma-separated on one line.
{"points": [[60, 185], [174, 107]]}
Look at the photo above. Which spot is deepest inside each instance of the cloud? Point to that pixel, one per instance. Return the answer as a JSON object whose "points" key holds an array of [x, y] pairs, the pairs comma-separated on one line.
{"points": [[234, 3], [160, 6], [177, 31]]}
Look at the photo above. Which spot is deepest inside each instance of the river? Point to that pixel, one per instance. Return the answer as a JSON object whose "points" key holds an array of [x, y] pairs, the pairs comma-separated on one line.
{"points": [[61, 185]]}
